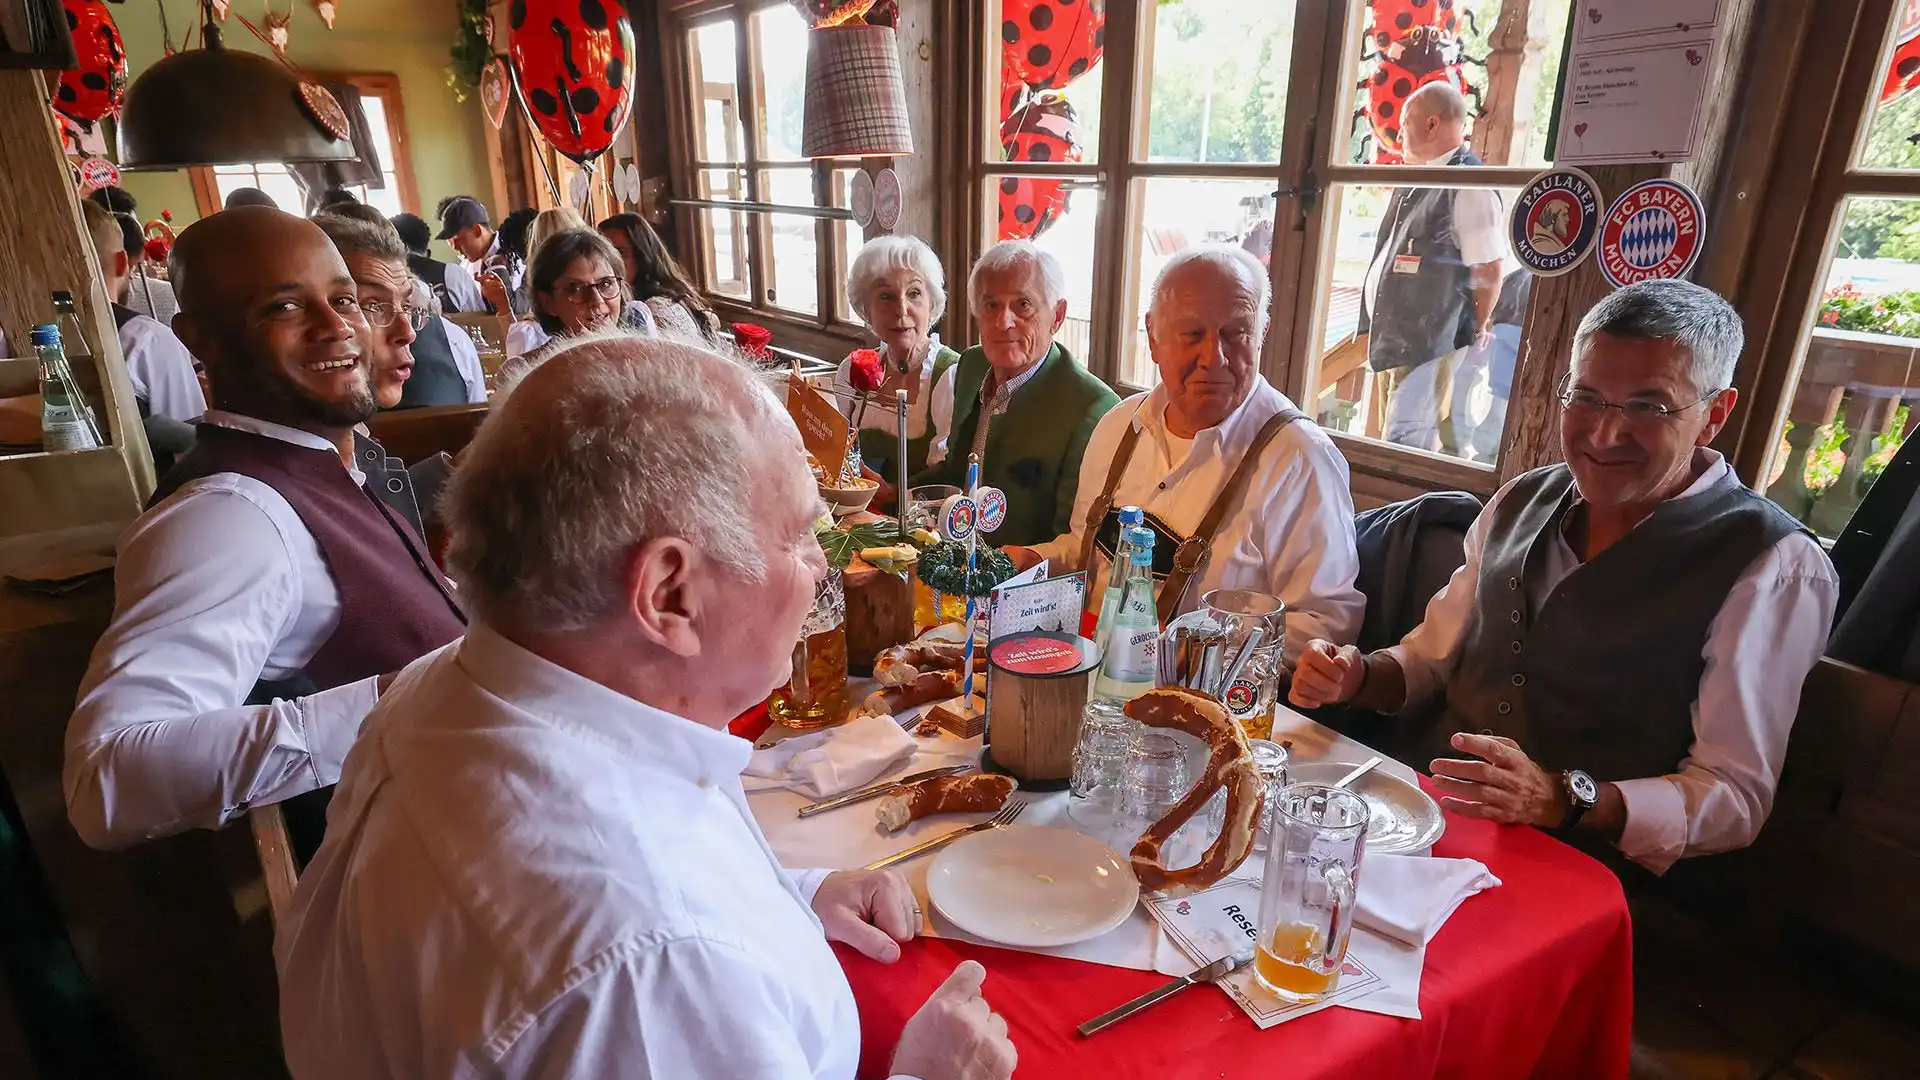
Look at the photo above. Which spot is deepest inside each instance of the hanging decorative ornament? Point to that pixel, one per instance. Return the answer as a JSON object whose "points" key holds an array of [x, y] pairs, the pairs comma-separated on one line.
{"points": [[819, 13], [574, 60], [279, 27], [626, 183], [325, 8], [1045, 130], [97, 173], [579, 185], [325, 109], [220, 9], [93, 89], [494, 91], [1050, 43]]}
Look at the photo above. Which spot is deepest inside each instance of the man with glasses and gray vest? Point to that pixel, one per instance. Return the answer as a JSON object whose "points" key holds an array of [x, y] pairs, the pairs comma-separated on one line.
{"points": [[1621, 656]]}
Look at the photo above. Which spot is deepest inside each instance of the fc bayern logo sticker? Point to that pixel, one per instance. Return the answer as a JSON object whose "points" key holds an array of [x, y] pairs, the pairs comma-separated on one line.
{"points": [[1655, 229], [1555, 221]]}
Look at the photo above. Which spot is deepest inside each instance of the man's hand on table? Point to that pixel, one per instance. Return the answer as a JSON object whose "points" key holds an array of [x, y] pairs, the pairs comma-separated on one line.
{"points": [[1023, 558], [1503, 785], [1327, 674], [955, 1036], [871, 910]]}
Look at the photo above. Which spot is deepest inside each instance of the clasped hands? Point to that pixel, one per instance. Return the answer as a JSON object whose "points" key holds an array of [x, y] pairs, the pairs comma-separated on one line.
{"points": [[1498, 782]]}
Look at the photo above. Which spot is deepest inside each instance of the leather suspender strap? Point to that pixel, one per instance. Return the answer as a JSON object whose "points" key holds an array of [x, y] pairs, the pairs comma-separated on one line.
{"points": [[1193, 551], [1097, 513]]}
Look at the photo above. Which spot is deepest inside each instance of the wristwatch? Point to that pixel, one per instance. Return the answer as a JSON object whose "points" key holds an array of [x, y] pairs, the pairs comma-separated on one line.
{"points": [[1581, 793]]}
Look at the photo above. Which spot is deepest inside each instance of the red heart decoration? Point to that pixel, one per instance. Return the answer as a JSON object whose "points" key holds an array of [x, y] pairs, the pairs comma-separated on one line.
{"points": [[1580, 128]]}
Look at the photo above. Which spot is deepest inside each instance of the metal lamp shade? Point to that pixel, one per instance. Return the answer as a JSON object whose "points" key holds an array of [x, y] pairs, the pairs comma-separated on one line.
{"points": [[220, 106], [856, 97]]}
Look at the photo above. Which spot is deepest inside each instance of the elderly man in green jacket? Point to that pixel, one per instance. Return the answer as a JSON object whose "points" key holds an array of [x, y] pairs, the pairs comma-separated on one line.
{"points": [[1020, 400]]}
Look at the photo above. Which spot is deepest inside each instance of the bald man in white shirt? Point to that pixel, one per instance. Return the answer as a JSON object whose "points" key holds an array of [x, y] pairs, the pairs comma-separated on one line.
{"points": [[540, 861], [1286, 529]]}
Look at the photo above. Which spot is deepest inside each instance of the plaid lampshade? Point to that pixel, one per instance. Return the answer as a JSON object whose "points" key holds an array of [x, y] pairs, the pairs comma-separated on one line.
{"points": [[856, 97]]}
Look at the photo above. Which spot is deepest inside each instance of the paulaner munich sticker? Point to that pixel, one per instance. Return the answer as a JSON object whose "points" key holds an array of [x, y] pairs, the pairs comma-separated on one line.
{"points": [[1555, 221], [1655, 229]]}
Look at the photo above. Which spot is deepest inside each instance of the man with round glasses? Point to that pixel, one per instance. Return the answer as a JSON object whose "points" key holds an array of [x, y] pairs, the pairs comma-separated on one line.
{"points": [[1621, 656], [419, 358]]}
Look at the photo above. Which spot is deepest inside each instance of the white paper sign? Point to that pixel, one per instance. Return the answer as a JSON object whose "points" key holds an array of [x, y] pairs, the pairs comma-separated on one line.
{"points": [[1053, 604], [1636, 80]]}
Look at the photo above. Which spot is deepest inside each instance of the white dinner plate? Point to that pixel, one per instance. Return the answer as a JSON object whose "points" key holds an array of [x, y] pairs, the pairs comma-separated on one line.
{"points": [[1401, 818], [1031, 886]]}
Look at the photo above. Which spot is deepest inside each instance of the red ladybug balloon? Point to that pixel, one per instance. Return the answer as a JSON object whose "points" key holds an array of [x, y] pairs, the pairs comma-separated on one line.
{"points": [[1903, 70], [574, 60], [1050, 43], [95, 88], [1414, 42], [1045, 130]]}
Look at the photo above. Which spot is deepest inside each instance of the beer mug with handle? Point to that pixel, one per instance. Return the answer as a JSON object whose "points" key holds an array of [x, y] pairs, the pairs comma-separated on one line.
{"points": [[1307, 895]]}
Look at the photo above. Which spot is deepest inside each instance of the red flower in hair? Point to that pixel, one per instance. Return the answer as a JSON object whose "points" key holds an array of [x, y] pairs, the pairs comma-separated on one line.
{"points": [[865, 370], [753, 340]]}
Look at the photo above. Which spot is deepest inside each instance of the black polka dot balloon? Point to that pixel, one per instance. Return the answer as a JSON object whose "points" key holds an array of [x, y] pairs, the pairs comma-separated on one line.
{"points": [[574, 61], [94, 89]]}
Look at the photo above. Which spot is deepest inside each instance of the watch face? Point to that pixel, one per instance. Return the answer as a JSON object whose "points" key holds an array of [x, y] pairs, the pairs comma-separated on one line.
{"points": [[1583, 787]]}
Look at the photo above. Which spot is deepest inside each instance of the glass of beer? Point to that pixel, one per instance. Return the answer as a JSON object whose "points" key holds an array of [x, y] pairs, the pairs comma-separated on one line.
{"points": [[1307, 894], [816, 693]]}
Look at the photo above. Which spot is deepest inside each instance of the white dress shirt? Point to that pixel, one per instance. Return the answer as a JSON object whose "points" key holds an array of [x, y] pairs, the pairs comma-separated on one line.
{"points": [[467, 359], [216, 588], [527, 874], [1768, 634], [932, 404], [1291, 535], [161, 370]]}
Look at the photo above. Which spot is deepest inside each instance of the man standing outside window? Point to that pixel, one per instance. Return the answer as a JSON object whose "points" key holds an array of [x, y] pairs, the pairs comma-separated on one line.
{"points": [[1435, 277]]}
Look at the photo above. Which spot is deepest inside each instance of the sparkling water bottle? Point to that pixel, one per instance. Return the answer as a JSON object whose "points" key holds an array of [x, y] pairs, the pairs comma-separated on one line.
{"points": [[65, 421], [1130, 518]]}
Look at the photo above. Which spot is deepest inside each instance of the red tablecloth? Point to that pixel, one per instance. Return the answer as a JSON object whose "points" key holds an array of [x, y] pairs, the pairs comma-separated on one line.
{"points": [[1532, 979]]}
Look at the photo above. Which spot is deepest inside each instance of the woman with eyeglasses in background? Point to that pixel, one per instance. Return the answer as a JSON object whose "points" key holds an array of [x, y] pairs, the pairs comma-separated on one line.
{"points": [[577, 288], [659, 281]]}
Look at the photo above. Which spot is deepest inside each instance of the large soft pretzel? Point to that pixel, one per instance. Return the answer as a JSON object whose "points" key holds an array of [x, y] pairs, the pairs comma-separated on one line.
{"points": [[1229, 766]]}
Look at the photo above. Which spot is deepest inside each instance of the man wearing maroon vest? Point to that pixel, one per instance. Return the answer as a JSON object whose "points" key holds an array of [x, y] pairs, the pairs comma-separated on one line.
{"points": [[266, 597]]}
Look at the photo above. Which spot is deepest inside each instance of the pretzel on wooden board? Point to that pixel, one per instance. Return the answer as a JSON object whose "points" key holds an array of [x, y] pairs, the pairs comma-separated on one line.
{"points": [[1229, 766], [973, 793]]}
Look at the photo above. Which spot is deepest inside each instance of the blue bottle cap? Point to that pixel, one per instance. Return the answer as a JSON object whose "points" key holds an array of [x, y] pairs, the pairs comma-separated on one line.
{"points": [[1142, 541], [1132, 515], [46, 334]]}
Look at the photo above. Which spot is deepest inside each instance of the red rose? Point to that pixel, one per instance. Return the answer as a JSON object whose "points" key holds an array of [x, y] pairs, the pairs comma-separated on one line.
{"points": [[753, 339], [156, 250], [864, 370]]}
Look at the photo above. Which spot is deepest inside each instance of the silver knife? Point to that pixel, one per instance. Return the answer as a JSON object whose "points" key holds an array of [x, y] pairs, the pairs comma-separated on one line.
{"points": [[1219, 969], [881, 788]]}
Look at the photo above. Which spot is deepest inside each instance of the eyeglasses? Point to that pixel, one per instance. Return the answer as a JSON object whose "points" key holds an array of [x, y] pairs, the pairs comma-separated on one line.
{"points": [[381, 314], [1638, 412], [579, 292]]}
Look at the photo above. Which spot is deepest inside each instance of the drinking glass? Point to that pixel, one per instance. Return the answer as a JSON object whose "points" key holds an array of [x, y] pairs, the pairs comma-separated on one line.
{"points": [[1307, 894], [1199, 648], [1099, 765], [1270, 761], [923, 504], [816, 694]]}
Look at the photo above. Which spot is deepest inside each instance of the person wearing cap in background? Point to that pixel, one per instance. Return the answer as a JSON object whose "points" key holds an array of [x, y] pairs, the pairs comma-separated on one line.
{"points": [[466, 225], [452, 283]]}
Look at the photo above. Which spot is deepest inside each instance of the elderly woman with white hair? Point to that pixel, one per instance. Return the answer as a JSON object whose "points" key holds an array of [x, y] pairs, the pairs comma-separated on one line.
{"points": [[898, 289], [1020, 399], [1222, 461]]}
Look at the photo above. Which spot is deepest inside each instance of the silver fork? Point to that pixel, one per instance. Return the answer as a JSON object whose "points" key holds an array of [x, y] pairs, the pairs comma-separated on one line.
{"points": [[1005, 817]]}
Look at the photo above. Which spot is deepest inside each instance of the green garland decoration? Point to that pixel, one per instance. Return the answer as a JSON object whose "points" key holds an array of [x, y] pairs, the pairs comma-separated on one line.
{"points": [[471, 50], [944, 569]]}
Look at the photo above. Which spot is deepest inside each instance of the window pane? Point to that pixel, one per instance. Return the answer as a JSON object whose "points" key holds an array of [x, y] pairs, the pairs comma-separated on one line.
{"points": [[270, 177], [792, 241], [1896, 105], [1177, 214], [1219, 80], [1508, 66], [782, 36], [714, 71], [847, 241], [1071, 239], [1047, 76], [723, 234], [1403, 260], [1850, 408], [376, 111]]}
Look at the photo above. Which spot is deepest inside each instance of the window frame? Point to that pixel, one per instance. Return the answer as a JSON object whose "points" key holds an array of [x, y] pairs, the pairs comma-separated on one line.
{"points": [[824, 330], [378, 84]]}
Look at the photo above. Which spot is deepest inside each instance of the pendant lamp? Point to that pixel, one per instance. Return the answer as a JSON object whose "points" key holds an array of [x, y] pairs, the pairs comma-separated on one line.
{"points": [[219, 106], [856, 102]]}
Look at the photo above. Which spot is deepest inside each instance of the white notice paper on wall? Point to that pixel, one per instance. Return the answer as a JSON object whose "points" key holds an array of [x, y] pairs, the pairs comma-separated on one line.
{"points": [[1635, 83]]}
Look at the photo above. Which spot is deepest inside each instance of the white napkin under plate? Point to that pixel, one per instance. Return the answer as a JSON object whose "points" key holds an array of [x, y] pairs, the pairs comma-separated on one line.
{"points": [[822, 764], [1410, 897]]}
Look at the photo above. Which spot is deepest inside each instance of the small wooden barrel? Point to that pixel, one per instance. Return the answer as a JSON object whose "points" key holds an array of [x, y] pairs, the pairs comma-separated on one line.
{"points": [[1036, 691]]}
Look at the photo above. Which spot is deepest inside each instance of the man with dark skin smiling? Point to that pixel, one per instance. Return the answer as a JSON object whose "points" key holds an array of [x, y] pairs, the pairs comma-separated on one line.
{"points": [[1621, 656], [265, 597], [1286, 528]]}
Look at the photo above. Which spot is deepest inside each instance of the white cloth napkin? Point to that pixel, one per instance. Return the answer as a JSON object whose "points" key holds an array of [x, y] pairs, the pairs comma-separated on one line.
{"points": [[1409, 897], [823, 764]]}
